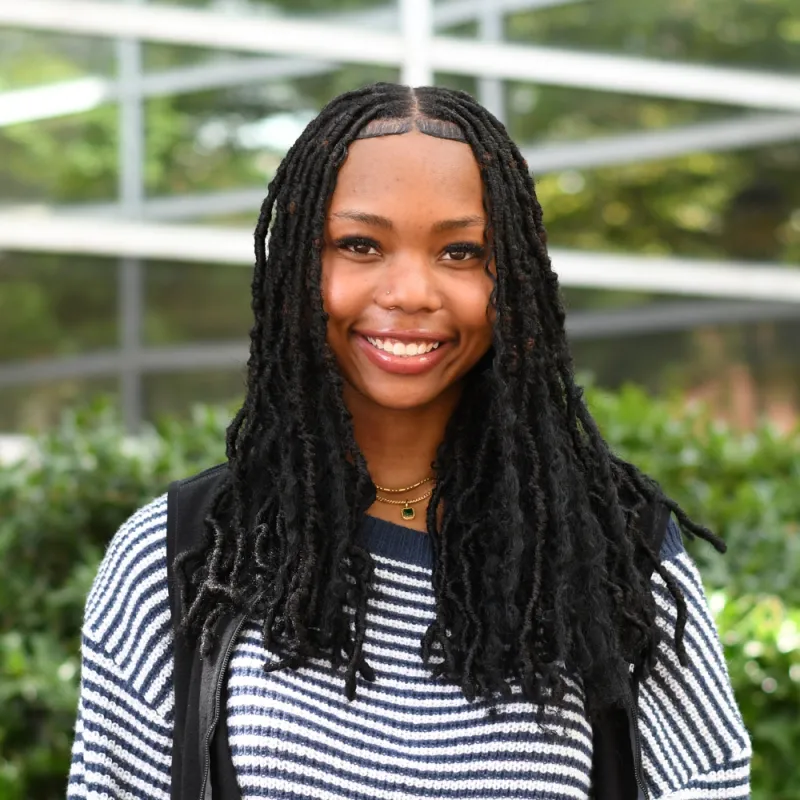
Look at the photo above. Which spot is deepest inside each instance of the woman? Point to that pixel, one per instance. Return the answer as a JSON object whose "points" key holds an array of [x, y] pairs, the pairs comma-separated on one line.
{"points": [[421, 572]]}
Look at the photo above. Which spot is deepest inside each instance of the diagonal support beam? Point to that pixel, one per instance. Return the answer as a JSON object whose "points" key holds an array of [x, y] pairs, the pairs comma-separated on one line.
{"points": [[728, 134], [731, 134]]}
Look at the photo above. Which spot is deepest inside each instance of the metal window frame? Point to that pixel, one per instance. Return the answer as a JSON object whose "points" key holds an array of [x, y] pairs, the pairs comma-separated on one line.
{"points": [[311, 47], [672, 317], [632, 148], [45, 232], [75, 96], [348, 44]]}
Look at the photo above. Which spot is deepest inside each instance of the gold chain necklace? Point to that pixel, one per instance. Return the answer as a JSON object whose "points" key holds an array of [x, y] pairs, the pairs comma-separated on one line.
{"points": [[406, 512]]}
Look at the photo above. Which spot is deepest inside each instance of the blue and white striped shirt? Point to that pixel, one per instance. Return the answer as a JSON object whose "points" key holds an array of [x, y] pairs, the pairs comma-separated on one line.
{"points": [[294, 735]]}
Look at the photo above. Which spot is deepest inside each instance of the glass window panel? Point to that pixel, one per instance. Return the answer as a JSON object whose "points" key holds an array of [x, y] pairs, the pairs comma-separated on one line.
{"points": [[742, 206], [743, 370], [68, 159], [463, 83], [539, 113], [158, 57], [233, 137], [56, 305], [349, 12], [37, 407], [33, 58], [58, 143], [738, 33], [177, 392], [196, 302]]}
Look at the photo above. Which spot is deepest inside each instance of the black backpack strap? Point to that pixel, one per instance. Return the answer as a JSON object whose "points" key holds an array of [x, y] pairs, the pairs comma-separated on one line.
{"points": [[187, 502], [613, 771]]}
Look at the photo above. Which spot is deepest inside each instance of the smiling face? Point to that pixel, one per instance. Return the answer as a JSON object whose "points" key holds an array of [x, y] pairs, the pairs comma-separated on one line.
{"points": [[403, 270]]}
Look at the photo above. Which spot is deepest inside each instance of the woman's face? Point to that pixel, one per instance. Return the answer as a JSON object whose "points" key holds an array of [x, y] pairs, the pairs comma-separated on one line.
{"points": [[403, 269]]}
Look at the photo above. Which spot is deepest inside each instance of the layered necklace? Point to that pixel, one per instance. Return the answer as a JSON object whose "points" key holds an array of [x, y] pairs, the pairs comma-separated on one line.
{"points": [[407, 511]]}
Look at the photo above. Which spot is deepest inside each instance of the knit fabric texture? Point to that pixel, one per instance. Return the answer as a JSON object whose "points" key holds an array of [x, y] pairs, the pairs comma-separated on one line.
{"points": [[293, 734]]}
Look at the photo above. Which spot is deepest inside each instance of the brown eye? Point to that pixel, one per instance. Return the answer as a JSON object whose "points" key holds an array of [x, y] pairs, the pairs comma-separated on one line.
{"points": [[464, 251], [358, 245]]}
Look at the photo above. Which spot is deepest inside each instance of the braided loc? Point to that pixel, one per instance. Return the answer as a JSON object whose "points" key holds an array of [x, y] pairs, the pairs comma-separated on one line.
{"points": [[534, 523]]}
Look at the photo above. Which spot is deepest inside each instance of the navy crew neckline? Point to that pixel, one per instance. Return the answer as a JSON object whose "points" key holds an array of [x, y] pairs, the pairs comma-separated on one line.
{"points": [[413, 547], [397, 542]]}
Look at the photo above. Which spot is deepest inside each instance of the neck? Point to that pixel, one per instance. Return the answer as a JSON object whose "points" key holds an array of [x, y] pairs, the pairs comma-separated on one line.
{"points": [[399, 445]]}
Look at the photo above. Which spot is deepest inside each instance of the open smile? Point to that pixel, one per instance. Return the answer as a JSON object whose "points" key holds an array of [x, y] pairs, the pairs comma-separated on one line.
{"points": [[406, 356], [402, 349]]}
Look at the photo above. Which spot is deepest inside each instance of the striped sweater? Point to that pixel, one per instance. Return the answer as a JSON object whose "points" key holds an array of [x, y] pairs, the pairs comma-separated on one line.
{"points": [[293, 735]]}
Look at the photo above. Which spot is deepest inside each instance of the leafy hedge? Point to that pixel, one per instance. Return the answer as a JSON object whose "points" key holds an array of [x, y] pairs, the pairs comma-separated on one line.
{"points": [[60, 505]]}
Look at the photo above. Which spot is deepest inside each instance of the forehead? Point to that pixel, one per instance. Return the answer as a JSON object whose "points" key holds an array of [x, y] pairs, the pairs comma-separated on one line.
{"points": [[406, 166]]}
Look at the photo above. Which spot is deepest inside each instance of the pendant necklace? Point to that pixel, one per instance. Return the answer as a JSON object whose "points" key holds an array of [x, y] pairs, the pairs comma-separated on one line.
{"points": [[406, 512]]}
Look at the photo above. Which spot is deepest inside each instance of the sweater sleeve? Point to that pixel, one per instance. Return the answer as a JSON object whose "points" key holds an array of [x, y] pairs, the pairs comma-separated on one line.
{"points": [[123, 733], [694, 742]]}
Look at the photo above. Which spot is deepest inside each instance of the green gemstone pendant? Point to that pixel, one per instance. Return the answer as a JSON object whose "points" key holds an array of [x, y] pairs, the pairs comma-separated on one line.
{"points": [[408, 512]]}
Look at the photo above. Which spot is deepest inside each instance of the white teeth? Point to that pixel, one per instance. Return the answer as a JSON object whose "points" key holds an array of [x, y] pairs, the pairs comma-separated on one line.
{"points": [[401, 348]]}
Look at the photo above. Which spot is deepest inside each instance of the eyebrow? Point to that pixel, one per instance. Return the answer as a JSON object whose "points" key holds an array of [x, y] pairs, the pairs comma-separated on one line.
{"points": [[378, 221]]}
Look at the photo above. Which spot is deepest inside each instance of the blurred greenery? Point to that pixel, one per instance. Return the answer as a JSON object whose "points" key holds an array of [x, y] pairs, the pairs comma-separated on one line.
{"points": [[62, 502]]}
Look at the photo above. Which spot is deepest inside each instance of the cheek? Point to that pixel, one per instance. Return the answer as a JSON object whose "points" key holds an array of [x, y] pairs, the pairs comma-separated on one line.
{"points": [[475, 311], [341, 291]]}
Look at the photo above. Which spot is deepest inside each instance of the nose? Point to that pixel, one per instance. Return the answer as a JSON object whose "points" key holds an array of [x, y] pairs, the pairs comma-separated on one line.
{"points": [[409, 284]]}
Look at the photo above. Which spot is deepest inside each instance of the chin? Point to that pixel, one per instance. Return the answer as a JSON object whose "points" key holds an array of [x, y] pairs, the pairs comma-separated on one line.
{"points": [[402, 400], [401, 393]]}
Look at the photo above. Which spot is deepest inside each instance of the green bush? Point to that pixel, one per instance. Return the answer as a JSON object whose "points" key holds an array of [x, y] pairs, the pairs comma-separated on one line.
{"points": [[62, 503], [744, 486], [58, 510]]}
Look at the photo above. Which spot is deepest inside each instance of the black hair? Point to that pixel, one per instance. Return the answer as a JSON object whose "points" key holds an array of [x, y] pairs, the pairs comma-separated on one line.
{"points": [[534, 523]]}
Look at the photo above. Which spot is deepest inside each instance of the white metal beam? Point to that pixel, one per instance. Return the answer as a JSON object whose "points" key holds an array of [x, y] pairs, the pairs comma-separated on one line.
{"points": [[680, 276], [191, 27], [612, 73], [553, 66], [44, 232], [491, 91], [668, 317], [179, 358], [446, 14], [416, 27], [632, 148], [55, 100], [83, 94]]}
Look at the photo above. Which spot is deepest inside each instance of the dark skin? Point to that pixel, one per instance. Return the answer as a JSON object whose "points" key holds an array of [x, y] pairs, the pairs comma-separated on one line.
{"points": [[404, 263]]}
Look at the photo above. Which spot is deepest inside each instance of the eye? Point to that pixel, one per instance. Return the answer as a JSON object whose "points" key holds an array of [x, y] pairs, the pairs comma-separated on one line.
{"points": [[464, 251], [358, 245]]}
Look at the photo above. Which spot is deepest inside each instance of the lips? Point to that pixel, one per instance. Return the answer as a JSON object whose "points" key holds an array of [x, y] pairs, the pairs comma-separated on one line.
{"points": [[403, 353]]}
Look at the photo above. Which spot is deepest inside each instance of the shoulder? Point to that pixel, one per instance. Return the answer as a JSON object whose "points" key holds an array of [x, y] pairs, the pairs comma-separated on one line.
{"points": [[135, 550], [683, 576], [672, 543], [128, 614], [689, 718]]}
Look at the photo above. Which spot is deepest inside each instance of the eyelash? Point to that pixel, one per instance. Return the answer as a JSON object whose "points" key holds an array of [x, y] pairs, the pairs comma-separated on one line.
{"points": [[470, 249], [355, 241]]}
